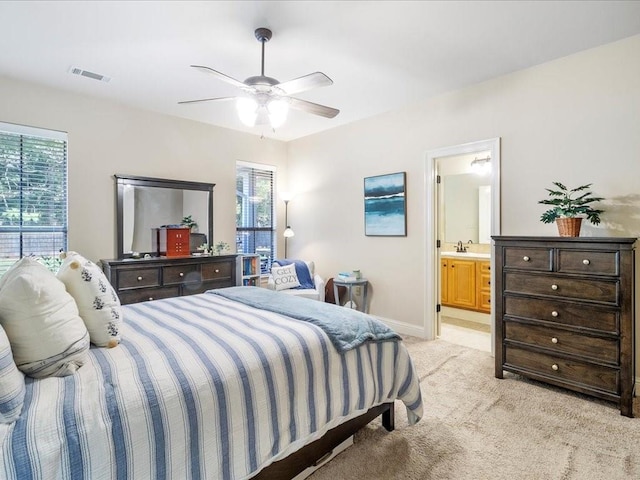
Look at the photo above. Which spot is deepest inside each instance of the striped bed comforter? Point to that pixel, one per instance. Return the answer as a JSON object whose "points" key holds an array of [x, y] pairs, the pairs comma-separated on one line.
{"points": [[201, 387]]}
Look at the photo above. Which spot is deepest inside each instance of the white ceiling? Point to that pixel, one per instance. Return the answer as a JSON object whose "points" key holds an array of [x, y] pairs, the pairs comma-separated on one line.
{"points": [[381, 55]]}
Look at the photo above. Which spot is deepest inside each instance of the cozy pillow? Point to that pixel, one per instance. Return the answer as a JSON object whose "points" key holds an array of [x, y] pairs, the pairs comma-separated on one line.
{"points": [[47, 335], [304, 270], [12, 387], [98, 304], [285, 277]]}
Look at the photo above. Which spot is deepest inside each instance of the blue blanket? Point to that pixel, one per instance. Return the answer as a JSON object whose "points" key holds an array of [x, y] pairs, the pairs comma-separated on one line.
{"points": [[345, 327]]}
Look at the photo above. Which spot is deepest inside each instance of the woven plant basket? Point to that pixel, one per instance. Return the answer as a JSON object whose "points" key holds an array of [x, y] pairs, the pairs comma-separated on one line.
{"points": [[569, 227]]}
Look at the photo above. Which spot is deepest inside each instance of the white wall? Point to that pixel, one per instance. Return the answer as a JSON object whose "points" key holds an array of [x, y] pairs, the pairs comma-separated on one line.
{"points": [[574, 120], [106, 138]]}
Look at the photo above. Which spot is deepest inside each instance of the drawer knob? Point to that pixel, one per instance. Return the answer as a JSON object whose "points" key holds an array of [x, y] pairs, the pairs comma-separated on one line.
{"points": [[181, 274], [586, 261], [217, 271], [139, 279], [525, 258], [150, 298], [554, 340], [554, 314], [554, 367], [554, 287]]}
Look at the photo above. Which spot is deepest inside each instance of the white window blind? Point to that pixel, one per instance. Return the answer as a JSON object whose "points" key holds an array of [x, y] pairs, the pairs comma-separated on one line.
{"points": [[33, 194], [255, 225]]}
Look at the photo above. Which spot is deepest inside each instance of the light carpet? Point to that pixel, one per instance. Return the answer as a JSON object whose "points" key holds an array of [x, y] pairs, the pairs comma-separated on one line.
{"points": [[478, 427]]}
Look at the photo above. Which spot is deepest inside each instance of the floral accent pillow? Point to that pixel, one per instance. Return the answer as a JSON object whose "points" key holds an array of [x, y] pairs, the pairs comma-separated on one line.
{"points": [[97, 301]]}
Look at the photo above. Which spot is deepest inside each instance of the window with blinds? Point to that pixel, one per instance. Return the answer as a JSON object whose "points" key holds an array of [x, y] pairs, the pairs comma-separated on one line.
{"points": [[33, 194], [255, 224]]}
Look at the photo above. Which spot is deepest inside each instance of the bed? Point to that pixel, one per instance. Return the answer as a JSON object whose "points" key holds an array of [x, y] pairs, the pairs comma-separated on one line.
{"points": [[208, 386]]}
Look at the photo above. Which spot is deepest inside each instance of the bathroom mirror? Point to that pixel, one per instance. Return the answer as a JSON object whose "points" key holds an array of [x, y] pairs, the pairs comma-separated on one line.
{"points": [[467, 208], [145, 203]]}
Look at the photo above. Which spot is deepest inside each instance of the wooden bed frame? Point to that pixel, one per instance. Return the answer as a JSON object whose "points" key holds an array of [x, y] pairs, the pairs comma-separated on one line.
{"points": [[315, 452]]}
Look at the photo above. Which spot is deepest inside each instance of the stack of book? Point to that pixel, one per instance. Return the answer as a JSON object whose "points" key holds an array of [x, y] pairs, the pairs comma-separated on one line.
{"points": [[346, 277]]}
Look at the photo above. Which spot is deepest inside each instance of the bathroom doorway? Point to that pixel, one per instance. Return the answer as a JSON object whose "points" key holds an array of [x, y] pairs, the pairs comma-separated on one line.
{"points": [[463, 211]]}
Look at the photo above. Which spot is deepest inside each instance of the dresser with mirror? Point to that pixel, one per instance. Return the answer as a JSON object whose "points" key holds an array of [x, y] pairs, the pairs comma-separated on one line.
{"points": [[143, 269]]}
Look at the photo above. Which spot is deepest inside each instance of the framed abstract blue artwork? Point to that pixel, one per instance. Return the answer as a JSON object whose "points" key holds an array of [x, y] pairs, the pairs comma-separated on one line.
{"points": [[385, 206]]}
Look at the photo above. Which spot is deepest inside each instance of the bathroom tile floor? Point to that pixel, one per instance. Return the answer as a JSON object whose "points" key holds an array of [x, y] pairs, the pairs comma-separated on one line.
{"points": [[463, 332]]}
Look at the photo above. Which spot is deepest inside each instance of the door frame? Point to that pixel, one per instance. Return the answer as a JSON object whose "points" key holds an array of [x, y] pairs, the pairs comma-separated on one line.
{"points": [[432, 263]]}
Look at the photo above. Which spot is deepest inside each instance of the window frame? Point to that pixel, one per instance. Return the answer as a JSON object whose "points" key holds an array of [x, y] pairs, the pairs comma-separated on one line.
{"points": [[265, 260], [50, 259]]}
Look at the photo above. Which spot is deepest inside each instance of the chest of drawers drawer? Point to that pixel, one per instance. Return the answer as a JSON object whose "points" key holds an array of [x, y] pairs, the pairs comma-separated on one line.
{"points": [[606, 320], [146, 294], [528, 258], [563, 341], [605, 291], [137, 278], [178, 274], [563, 369], [587, 262], [217, 271]]}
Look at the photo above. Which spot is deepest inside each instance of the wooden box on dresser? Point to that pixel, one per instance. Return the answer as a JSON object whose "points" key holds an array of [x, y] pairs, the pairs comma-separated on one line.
{"points": [[139, 280], [565, 313]]}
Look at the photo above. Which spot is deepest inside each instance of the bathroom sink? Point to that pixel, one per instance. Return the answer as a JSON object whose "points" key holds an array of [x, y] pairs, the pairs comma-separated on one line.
{"points": [[465, 254]]}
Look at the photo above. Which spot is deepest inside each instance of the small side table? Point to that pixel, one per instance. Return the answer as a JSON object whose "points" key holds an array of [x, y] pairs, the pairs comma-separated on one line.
{"points": [[363, 282]]}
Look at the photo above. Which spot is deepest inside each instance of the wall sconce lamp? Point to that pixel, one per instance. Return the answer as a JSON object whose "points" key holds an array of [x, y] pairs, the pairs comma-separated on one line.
{"points": [[288, 231], [481, 166]]}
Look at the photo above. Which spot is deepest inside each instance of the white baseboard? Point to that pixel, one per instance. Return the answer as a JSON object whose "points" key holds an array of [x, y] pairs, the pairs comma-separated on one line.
{"points": [[403, 328]]}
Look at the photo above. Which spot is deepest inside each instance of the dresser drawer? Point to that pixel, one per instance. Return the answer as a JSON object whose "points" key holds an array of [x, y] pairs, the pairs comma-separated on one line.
{"points": [[577, 315], [180, 274], [588, 262], [595, 348], [138, 277], [573, 288], [528, 258], [145, 294], [563, 370], [217, 271]]}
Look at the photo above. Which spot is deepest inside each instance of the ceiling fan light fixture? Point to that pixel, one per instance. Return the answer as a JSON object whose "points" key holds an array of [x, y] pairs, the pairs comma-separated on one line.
{"points": [[278, 110], [247, 110]]}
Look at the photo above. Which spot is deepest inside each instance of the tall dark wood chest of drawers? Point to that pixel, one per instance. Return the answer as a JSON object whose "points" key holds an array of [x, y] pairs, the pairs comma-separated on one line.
{"points": [[154, 278], [565, 313]]}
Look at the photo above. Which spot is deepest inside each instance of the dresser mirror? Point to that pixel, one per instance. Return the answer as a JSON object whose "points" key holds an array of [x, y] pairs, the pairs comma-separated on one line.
{"points": [[145, 203]]}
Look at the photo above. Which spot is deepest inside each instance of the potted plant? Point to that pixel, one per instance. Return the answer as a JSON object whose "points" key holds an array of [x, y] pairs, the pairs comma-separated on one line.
{"points": [[569, 207], [221, 247], [189, 222]]}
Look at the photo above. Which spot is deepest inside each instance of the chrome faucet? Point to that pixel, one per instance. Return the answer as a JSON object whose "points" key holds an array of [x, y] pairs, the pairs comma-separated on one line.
{"points": [[460, 248]]}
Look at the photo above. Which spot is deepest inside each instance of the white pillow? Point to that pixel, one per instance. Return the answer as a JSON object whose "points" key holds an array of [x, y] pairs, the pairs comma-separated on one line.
{"points": [[47, 336], [285, 277], [98, 304], [12, 388]]}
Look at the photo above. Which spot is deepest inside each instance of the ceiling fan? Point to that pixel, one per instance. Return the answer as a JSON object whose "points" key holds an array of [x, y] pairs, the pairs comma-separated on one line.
{"points": [[264, 100]]}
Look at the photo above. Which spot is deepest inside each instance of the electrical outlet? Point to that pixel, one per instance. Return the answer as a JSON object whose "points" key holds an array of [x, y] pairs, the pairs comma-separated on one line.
{"points": [[357, 291]]}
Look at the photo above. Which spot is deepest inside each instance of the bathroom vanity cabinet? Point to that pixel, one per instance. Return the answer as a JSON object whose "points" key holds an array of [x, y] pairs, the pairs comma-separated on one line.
{"points": [[466, 283]]}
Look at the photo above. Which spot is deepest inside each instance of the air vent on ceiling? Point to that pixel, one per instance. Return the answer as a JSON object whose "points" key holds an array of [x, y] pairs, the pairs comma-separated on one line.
{"points": [[88, 74]]}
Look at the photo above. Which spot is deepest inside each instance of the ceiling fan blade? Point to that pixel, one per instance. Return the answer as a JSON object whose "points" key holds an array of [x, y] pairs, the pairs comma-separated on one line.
{"points": [[314, 108], [221, 76], [206, 100], [302, 84]]}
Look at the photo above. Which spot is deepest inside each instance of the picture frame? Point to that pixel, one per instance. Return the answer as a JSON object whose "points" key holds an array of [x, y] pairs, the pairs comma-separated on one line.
{"points": [[385, 205]]}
